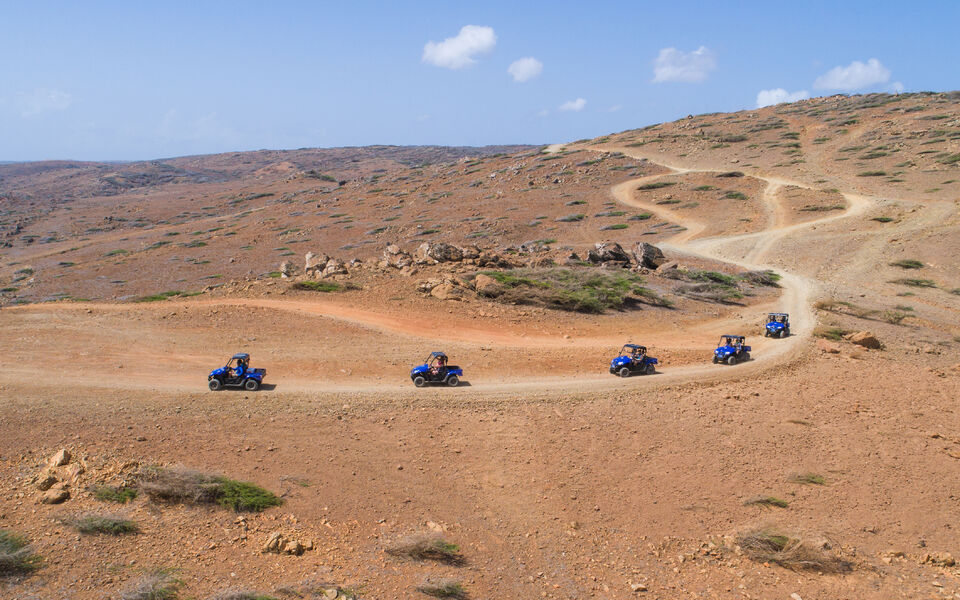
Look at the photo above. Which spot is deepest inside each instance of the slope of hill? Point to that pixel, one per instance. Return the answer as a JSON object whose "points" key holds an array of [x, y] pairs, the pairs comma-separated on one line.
{"points": [[819, 468]]}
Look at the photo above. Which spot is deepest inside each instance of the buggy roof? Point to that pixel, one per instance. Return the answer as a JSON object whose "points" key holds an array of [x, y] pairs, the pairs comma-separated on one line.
{"points": [[730, 335], [437, 354], [240, 355], [778, 314], [633, 346]]}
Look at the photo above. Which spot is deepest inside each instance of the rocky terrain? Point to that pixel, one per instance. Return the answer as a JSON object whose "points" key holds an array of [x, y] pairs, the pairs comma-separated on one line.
{"points": [[824, 467]]}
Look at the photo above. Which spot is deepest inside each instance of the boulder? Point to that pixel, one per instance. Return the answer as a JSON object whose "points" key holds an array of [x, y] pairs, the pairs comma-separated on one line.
{"points": [[610, 251], [335, 266], [470, 252], [487, 286], [286, 269], [278, 543], [293, 547], [438, 252], [60, 458], [648, 255], [314, 263], [55, 495], [865, 339], [446, 291], [542, 262], [828, 347], [46, 481], [394, 257]]}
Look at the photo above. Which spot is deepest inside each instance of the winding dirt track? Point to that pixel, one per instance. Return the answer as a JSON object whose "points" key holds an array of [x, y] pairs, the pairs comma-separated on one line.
{"points": [[747, 251]]}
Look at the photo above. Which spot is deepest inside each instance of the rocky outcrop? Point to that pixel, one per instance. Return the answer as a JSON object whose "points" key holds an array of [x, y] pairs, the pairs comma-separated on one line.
{"points": [[648, 255], [608, 252], [864, 339], [287, 269], [437, 252], [396, 258], [487, 286], [314, 263], [280, 543]]}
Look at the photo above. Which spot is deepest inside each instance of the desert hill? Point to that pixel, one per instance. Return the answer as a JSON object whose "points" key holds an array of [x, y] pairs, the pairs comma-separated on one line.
{"points": [[821, 467]]}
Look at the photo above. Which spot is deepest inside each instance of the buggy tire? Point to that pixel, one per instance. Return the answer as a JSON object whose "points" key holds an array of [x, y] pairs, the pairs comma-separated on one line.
{"points": [[715, 360], [783, 333], [625, 372], [419, 381], [745, 357], [453, 381], [732, 360], [214, 385], [650, 370], [251, 385], [766, 333]]}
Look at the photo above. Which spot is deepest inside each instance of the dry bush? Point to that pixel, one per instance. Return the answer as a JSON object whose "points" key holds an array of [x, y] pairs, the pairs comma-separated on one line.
{"points": [[16, 555], [176, 484], [807, 479], [312, 590], [93, 523], [158, 585], [767, 501], [769, 545], [427, 546], [442, 588]]}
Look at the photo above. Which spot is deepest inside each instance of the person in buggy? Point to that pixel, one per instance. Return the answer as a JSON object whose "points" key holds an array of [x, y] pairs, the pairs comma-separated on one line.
{"points": [[437, 363]]}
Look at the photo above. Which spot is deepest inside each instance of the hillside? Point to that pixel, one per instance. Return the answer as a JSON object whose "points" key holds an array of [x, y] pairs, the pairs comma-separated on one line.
{"points": [[821, 466]]}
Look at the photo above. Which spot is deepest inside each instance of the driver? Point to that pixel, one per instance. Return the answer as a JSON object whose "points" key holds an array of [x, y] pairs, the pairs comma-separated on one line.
{"points": [[637, 354], [241, 368], [438, 363]]}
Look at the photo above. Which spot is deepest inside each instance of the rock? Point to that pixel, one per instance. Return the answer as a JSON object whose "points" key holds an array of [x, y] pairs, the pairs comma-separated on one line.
{"points": [[669, 265], [394, 257], [273, 542], [293, 547], [446, 291], [46, 481], [443, 252], [470, 252], [286, 269], [331, 593], [828, 346], [314, 263], [648, 255], [542, 262], [638, 587], [940, 559], [335, 266], [487, 286], [611, 251], [865, 339], [56, 495], [60, 458]]}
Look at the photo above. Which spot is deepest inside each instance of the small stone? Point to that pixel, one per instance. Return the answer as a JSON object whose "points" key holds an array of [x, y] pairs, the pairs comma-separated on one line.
{"points": [[638, 587], [46, 482]]}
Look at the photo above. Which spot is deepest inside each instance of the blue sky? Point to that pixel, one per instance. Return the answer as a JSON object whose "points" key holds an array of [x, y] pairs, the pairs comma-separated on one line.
{"points": [[136, 80]]}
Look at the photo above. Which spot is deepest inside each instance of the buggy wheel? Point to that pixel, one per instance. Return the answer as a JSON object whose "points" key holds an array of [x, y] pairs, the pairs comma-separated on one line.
{"points": [[453, 381], [251, 385], [214, 385], [766, 333], [650, 370], [624, 372], [732, 360], [783, 333], [715, 359], [419, 381], [746, 356]]}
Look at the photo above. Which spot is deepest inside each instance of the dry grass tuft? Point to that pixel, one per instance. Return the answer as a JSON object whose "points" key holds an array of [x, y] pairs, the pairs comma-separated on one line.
{"points": [[428, 546], [176, 484], [769, 545], [92, 523], [16, 555], [807, 479], [767, 501], [442, 588], [158, 585]]}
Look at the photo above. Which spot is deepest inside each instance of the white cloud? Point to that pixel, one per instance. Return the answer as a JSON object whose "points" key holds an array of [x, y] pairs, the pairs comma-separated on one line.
{"points": [[525, 69], [778, 96], [543, 113], [458, 52], [897, 87], [689, 67], [615, 108], [573, 105], [42, 100], [854, 76]]}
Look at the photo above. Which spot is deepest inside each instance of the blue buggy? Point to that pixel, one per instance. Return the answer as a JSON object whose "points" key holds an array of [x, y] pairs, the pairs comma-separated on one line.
{"points": [[633, 360], [236, 373], [778, 325], [436, 370], [731, 350]]}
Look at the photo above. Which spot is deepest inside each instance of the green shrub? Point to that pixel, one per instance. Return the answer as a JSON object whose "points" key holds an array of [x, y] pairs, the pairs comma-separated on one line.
{"points": [[872, 174], [159, 297], [882, 219], [571, 218], [572, 289], [767, 501], [614, 227], [120, 494], [317, 286], [640, 216], [245, 497], [186, 486], [704, 188], [733, 195], [923, 283], [656, 185], [907, 263]]}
